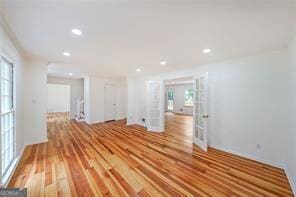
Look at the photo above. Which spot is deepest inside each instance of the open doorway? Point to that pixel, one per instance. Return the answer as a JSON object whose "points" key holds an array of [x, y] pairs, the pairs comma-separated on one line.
{"points": [[179, 106], [58, 100]]}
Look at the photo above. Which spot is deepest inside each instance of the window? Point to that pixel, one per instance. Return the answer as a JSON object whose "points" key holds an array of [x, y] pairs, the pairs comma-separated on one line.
{"points": [[170, 104], [188, 97], [7, 123]]}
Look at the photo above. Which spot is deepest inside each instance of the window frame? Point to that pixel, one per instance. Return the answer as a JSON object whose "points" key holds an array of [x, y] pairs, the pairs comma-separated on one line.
{"points": [[173, 99], [12, 110]]}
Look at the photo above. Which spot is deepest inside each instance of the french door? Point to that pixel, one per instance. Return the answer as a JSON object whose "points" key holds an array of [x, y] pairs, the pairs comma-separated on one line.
{"points": [[155, 106], [7, 123], [200, 114]]}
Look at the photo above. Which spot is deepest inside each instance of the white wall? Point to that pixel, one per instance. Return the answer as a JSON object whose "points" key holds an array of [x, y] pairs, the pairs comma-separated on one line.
{"points": [[76, 91], [247, 104], [35, 103], [179, 91], [30, 93], [7, 47], [94, 97], [291, 159], [58, 98]]}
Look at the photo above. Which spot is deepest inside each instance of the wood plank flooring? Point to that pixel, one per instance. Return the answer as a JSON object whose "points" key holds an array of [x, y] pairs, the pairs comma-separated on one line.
{"points": [[113, 159]]}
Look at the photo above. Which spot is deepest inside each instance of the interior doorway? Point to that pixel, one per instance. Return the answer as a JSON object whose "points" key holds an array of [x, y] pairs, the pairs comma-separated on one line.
{"points": [[179, 106], [175, 98], [110, 102], [58, 99]]}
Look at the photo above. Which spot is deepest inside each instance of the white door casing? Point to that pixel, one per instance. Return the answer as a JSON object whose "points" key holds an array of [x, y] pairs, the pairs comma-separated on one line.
{"points": [[110, 102], [155, 106], [200, 113]]}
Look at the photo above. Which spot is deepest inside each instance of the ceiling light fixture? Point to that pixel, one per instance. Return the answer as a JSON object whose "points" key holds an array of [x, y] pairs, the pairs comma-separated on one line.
{"points": [[163, 63], [205, 51], [76, 32], [67, 54], [70, 74], [138, 70]]}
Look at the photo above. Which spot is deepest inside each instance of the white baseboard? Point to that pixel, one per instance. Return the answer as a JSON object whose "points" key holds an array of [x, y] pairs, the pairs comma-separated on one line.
{"points": [[120, 117], [37, 142], [18, 159], [282, 166], [291, 181], [278, 165]]}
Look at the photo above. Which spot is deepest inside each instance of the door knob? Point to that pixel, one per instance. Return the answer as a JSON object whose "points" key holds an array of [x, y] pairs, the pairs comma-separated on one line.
{"points": [[205, 116]]}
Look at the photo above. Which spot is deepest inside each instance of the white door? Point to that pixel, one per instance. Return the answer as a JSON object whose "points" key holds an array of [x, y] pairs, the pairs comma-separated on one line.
{"points": [[110, 102], [155, 106], [200, 115]]}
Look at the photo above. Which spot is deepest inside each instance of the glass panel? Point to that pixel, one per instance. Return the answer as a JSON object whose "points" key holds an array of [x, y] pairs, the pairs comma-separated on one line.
{"points": [[155, 122], [7, 115], [197, 108], [201, 134], [155, 113], [188, 97], [203, 97], [196, 96], [202, 107], [202, 83], [197, 83], [197, 120], [155, 105], [196, 132], [202, 122]]}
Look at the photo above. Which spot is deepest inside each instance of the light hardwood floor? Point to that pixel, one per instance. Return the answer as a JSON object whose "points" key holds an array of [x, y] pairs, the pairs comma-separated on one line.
{"points": [[113, 159]]}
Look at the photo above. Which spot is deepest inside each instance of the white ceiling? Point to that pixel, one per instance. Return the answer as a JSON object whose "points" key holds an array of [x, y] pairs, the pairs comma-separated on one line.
{"points": [[120, 36]]}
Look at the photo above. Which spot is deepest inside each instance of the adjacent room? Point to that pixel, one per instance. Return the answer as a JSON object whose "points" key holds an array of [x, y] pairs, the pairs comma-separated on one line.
{"points": [[65, 96], [148, 98], [179, 105], [58, 99]]}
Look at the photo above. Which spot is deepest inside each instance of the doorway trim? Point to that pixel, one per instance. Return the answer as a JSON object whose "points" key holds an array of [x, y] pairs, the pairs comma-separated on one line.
{"points": [[194, 104]]}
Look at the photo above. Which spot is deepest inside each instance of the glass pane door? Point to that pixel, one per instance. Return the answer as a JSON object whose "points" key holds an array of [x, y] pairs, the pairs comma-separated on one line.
{"points": [[200, 114]]}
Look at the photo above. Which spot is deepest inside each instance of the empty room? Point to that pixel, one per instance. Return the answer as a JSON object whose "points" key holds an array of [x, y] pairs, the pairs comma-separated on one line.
{"points": [[148, 98]]}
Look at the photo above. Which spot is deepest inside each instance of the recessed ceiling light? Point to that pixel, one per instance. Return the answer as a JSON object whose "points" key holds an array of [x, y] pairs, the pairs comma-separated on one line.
{"points": [[67, 54], [138, 70], [76, 32], [163, 62], [206, 51], [70, 74]]}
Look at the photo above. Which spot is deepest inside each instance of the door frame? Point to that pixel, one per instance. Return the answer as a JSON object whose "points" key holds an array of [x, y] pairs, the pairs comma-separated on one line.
{"points": [[115, 107], [194, 104]]}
